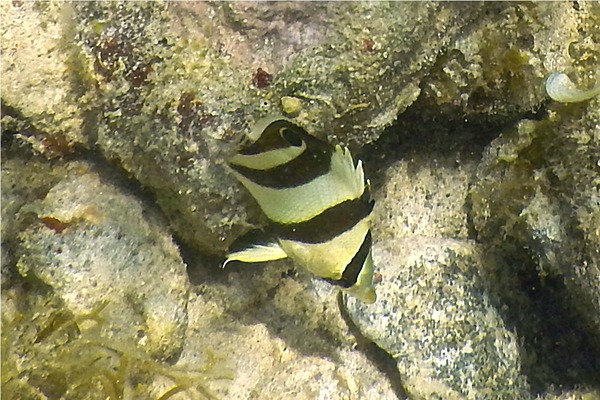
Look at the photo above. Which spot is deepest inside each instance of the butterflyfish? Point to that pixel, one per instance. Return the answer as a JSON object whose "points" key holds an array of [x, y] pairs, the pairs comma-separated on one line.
{"points": [[317, 202]]}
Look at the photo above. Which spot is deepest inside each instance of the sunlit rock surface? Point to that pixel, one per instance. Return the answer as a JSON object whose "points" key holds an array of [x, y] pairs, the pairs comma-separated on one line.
{"points": [[93, 243], [434, 317]]}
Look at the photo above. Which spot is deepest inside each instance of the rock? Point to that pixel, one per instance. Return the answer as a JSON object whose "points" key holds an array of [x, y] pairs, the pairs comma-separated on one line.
{"points": [[535, 208], [433, 313], [498, 68], [433, 316], [165, 96], [279, 335], [485, 189], [40, 77], [93, 244], [24, 179], [101, 282], [577, 394], [423, 195]]}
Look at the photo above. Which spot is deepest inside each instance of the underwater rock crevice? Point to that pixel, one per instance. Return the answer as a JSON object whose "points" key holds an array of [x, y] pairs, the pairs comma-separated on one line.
{"points": [[437, 132], [559, 348]]}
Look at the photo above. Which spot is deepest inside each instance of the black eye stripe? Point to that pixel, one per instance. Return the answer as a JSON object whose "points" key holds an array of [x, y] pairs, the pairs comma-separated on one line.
{"points": [[291, 137], [313, 162], [272, 138]]}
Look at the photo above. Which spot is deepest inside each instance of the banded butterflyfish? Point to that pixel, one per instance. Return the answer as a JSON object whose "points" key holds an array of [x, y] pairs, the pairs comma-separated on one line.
{"points": [[317, 202]]}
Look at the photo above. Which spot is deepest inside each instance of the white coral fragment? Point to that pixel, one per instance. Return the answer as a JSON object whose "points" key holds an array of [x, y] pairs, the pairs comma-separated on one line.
{"points": [[562, 89]]}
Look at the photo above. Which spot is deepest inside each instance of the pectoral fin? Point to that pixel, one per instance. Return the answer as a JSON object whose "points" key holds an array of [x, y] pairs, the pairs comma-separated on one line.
{"points": [[255, 247]]}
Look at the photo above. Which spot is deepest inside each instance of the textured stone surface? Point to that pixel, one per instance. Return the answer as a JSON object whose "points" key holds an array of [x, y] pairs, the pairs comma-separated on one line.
{"points": [[91, 243], [433, 313], [434, 317], [166, 96], [424, 195], [40, 76], [23, 180], [485, 189], [536, 209], [282, 341]]}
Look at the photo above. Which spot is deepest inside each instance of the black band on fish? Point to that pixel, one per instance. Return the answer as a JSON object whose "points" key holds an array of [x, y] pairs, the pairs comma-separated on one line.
{"points": [[313, 162], [277, 135], [328, 224], [310, 164], [352, 270], [297, 177]]}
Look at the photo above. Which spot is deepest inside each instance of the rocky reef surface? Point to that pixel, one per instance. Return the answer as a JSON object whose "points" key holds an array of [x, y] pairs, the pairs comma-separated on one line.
{"points": [[117, 206]]}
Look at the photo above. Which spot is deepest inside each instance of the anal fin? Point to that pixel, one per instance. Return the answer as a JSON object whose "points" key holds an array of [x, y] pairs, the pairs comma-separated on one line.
{"points": [[253, 247]]}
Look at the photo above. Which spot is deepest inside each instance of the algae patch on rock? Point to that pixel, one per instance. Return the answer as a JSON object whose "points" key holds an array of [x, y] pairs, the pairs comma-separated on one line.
{"points": [[103, 288], [487, 215], [49, 353]]}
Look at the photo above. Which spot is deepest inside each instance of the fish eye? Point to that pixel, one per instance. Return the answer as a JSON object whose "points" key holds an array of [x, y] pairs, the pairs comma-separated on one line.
{"points": [[289, 136]]}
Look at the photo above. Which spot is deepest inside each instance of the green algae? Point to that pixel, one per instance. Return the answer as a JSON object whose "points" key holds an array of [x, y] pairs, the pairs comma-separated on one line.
{"points": [[47, 352]]}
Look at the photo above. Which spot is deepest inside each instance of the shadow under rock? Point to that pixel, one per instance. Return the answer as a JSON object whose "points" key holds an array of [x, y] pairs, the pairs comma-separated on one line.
{"points": [[296, 329], [558, 346], [435, 132], [379, 357]]}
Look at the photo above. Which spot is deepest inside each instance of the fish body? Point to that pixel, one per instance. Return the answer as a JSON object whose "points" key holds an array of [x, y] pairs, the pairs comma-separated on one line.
{"points": [[317, 202]]}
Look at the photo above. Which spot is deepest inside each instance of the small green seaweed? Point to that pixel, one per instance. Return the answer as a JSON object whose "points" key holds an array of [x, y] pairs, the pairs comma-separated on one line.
{"points": [[47, 352]]}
